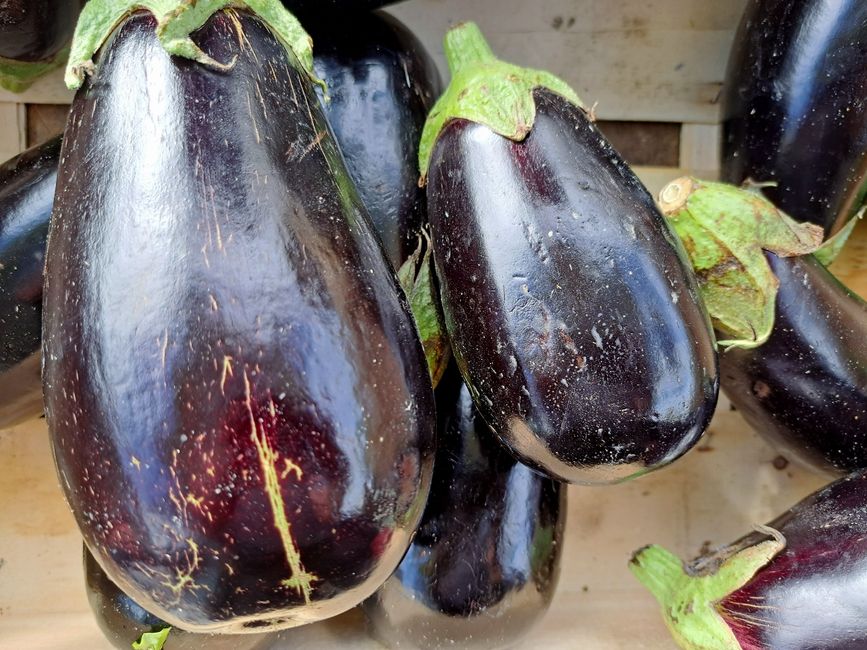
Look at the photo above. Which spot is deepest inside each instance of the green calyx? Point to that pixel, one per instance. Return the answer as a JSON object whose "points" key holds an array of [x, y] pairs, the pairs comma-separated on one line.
{"points": [[725, 231], [486, 90], [176, 20], [689, 602], [18, 76], [416, 277], [152, 640], [830, 249]]}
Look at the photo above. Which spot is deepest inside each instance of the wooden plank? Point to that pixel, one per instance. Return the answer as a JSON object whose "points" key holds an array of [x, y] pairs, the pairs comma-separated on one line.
{"points": [[49, 89], [44, 121], [656, 60], [700, 149], [13, 130], [644, 143]]}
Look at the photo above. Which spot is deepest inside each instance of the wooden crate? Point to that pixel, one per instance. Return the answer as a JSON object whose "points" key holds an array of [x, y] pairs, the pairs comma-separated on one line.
{"points": [[658, 61]]}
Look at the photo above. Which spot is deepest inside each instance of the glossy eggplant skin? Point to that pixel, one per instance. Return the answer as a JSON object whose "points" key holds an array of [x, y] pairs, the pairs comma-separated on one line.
{"points": [[805, 389], [598, 361], [811, 595], [793, 106], [36, 30], [484, 564], [123, 621], [238, 402], [26, 197], [381, 83]]}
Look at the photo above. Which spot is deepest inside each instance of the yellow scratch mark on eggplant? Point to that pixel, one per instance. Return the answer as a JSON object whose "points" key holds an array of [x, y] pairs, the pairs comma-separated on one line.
{"points": [[300, 579], [289, 466], [136, 463], [229, 568], [261, 100], [184, 578], [165, 346], [227, 371], [219, 234], [253, 119], [315, 143], [213, 300], [205, 253]]}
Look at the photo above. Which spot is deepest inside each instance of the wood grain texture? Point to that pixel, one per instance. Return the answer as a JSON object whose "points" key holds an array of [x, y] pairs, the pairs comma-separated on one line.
{"points": [[647, 60], [44, 121], [13, 129]]}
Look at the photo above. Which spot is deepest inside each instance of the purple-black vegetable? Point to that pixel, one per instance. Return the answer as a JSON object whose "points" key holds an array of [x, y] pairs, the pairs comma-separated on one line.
{"points": [[796, 583], [381, 84], [238, 402], [26, 197], [569, 306], [484, 564], [793, 106]]}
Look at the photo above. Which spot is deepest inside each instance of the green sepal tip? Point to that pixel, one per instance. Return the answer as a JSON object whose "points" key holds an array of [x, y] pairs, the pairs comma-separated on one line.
{"points": [[152, 640], [18, 76], [831, 248], [487, 91], [725, 231], [416, 277], [689, 602], [176, 20]]}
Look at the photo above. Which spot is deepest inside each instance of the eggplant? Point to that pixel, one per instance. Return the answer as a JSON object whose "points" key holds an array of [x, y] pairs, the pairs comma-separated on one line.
{"points": [[381, 84], [793, 106], [805, 389], [238, 402], [796, 359], [568, 303], [34, 37], [26, 197], [795, 583], [123, 621], [484, 564]]}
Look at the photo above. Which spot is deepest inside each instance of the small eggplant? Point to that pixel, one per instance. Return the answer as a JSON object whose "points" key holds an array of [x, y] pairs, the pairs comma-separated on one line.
{"points": [[797, 583], [484, 564], [123, 621], [568, 303], [793, 106], [796, 367], [34, 36], [805, 389], [26, 197], [237, 399], [381, 83]]}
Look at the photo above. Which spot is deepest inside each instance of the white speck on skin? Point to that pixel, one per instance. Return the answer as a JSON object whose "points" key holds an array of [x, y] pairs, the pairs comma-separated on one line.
{"points": [[596, 338]]}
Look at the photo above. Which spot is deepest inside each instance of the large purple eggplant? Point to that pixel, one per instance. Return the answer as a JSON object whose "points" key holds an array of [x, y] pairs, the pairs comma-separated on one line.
{"points": [[238, 401], [797, 365], [569, 306], [484, 564], [26, 197], [381, 84], [797, 583], [123, 621], [34, 35], [794, 109]]}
